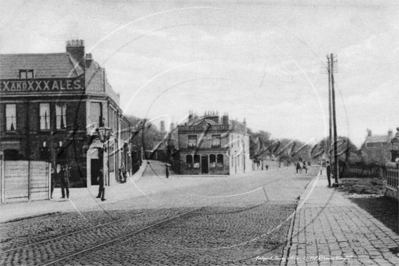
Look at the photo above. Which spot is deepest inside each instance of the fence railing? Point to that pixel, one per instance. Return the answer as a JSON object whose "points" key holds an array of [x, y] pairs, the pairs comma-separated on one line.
{"points": [[392, 176]]}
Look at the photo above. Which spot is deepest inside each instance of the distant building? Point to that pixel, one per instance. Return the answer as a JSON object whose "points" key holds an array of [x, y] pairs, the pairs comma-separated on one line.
{"points": [[376, 147], [213, 145], [378, 141], [50, 108]]}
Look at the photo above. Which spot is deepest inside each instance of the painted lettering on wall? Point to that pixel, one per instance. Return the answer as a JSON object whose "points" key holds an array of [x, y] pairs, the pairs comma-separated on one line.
{"points": [[47, 85]]}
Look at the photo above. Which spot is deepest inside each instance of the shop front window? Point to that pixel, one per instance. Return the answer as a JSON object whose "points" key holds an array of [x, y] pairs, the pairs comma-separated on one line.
{"points": [[219, 160]]}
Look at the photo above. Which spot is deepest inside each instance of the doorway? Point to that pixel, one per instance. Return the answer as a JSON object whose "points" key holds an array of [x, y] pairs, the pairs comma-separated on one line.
{"points": [[204, 164], [96, 165]]}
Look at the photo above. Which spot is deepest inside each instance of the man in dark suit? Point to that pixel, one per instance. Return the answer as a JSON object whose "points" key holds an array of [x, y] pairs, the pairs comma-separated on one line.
{"points": [[64, 178], [52, 182], [101, 189], [328, 169], [167, 170]]}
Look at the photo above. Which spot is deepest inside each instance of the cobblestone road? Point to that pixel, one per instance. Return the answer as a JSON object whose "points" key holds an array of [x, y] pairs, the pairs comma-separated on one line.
{"points": [[220, 220]]}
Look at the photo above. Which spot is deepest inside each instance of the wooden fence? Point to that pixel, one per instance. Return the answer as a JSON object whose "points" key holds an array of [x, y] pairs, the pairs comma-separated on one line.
{"points": [[24, 181]]}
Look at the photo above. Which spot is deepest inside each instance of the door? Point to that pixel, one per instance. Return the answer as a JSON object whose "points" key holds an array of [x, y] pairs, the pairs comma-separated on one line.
{"points": [[204, 164], [96, 165]]}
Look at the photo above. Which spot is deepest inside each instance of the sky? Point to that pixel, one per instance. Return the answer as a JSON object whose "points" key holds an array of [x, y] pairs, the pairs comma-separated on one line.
{"points": [[262, 61]]}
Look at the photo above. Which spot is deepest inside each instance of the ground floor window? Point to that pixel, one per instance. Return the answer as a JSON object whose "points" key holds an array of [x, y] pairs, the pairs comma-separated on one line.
{"points": [[196, 161], [189, 161], [212, 160], [219, 160]]}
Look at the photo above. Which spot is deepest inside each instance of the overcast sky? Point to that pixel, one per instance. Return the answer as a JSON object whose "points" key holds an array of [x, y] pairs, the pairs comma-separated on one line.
{"points": [[264, 61]]}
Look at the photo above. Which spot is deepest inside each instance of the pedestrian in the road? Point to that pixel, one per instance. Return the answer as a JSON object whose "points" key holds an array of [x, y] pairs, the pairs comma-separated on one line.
{"points": [[167, 170], [267, 167], [101, 189], [304, 167], [65, 175], [328, 170], [124, 176], [52, 182], [298, 167]]}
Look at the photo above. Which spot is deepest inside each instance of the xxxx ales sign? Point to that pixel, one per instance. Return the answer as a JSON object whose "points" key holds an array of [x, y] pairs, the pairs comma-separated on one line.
{"points": [[43, 85]]}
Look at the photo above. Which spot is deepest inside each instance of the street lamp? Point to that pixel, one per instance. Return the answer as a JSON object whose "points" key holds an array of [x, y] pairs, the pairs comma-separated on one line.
{"points": [[104, 133]]}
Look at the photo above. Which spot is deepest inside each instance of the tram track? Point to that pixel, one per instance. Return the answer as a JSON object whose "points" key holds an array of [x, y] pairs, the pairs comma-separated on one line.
{"points": [[96, 246], [59, 243]]}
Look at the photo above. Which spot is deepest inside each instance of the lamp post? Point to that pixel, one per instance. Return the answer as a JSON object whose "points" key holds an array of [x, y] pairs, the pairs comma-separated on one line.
{"points": [[104, 134]]}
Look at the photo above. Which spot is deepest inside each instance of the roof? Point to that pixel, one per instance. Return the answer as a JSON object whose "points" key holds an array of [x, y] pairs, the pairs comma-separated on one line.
{"points": [[377, 139], [57, 65], [202, 120]]}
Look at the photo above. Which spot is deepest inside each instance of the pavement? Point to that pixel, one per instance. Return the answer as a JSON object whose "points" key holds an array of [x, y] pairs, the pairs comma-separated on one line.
{"points": [[329, 229], [80, 199]]}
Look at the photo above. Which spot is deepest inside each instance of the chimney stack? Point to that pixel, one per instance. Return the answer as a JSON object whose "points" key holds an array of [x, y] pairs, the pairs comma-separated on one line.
{"points": [[225, 119], [76, 49]]}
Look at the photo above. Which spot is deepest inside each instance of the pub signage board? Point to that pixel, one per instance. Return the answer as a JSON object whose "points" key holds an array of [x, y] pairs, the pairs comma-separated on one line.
{"points": [[55, 85]]}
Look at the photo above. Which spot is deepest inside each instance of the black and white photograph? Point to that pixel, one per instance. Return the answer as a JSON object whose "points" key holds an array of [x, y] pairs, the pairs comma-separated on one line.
{"points": [[199, 132]]}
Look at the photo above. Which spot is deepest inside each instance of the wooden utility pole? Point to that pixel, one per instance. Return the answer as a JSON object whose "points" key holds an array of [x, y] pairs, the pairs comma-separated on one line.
{"points": [[329, 142], [333, 117]]}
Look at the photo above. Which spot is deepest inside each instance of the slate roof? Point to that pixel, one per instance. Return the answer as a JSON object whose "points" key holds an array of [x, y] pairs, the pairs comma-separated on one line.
{"points": [[202, 120], [377, 139], [57, 65]]}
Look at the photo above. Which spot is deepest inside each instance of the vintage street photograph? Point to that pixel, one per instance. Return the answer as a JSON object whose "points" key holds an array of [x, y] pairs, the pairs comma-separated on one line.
{"points": [[199, 132]]}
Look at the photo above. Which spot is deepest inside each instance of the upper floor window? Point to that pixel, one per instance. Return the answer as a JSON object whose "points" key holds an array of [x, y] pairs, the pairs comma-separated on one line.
{"points": [[96, 114], [26, 73], [11, 117], [44, 116], [192, 140], [215, 140], [60, 113]]}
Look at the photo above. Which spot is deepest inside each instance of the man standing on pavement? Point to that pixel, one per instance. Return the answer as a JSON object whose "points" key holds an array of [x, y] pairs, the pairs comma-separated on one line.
{"points": [[101, 189], [52, 182], [64, 178], [328, 170], [167, 170]]}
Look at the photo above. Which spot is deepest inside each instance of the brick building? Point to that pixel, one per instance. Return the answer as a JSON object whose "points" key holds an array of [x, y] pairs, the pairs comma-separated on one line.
{"points": [[376, 147], [213, 145], [50, 108]]}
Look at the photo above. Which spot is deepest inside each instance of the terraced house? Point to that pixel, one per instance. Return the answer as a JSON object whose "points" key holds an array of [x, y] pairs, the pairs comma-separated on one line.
{"points": [[213, 145], [51, 107]]}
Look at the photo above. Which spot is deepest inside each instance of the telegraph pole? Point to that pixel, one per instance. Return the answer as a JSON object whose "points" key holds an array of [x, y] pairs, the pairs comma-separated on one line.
{"points": [[333, 117], [328, 144]]}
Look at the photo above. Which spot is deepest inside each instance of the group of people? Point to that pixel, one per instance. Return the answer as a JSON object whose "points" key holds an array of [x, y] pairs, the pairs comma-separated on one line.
{"points": [[63, 174], [299, 166]]}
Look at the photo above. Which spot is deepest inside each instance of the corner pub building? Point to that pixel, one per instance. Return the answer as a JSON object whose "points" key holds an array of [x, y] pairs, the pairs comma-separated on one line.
{"points": [[50, 108]]}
